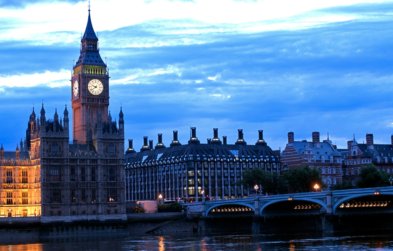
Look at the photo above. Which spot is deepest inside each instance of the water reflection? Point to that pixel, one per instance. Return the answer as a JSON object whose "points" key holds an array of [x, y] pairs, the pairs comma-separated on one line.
{"points": [[161, 243], [214, 242], [23, 247]]}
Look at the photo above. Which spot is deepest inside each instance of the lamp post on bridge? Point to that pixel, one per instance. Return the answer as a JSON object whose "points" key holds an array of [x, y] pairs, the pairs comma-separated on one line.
{"points": [[391, 180], [316, 187], [256, 187]]}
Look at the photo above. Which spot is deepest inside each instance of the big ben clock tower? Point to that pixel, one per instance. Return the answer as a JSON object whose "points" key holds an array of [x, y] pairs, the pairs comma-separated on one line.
{"points": [[89, 86]]}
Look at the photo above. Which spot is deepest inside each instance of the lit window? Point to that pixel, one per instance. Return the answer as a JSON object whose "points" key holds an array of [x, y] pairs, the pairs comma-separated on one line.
{"points": [[112, 194], [9, 198]]}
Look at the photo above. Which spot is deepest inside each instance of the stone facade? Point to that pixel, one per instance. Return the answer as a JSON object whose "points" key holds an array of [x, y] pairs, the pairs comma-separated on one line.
{"points": [[315, 154], [62, 181], [359, 155], [20, 191]]}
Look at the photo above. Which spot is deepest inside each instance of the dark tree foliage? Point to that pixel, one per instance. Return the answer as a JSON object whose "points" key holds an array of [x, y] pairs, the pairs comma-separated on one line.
{"points": [[370, 176], [344, 185], [173, 207], [271, 183], [302, 179]]}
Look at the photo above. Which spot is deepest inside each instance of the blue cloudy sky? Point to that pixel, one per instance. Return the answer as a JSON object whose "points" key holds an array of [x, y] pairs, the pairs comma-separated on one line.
{"points": [[276, 65]]}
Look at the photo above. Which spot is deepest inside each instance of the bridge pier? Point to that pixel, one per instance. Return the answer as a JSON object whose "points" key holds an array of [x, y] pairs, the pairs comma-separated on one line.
{"points": [[329, 208], [202, 224], [256, 225], [327, 223], [256, 219]]}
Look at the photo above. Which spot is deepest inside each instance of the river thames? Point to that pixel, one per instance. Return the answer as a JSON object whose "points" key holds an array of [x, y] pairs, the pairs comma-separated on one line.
{"points": [[215, 242]]}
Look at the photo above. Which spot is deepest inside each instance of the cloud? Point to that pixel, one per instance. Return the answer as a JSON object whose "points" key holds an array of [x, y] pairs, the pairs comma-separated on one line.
{"points": [[24, 3], [326, 70]]}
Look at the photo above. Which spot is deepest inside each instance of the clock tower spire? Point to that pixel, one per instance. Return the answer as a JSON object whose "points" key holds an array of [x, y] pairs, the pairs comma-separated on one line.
{"points": [[89, 85]]}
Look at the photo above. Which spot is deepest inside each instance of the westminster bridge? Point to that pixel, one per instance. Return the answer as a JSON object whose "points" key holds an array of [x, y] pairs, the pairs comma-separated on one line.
{"points": [[321, 210]]}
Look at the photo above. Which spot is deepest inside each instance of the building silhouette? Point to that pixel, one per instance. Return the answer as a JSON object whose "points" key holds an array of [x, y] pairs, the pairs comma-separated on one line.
{"points": [[195, 171], [62, 181]]}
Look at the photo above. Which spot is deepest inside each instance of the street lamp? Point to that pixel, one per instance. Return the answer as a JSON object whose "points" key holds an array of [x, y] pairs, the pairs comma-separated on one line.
{"points": [[391, 180], [316, 187], [160, 199]]}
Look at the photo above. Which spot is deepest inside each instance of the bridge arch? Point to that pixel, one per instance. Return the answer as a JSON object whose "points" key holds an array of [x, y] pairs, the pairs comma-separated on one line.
{"points": [[229, 204], [339, 202], [319, 202]]}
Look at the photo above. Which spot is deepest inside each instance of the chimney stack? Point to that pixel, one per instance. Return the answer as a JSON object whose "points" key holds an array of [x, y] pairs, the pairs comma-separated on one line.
{"points": [[151, 144], [215, 133], [160, 144], [240, 140], [224, 140], [194, 139], [369, 139], [315, 137], [291, 138], [260, 134], [145, 146], [175, 141], [209, 140], [160, 138], [260, 138], [216, 139], [349, 142], [130, 143], [130, 147], [240, 133]]}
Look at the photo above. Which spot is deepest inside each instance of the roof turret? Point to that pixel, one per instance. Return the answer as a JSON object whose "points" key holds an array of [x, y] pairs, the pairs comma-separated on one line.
{"points": [[89, 31], [121, 115], [65, 112], [32, 116], [56, 117], [42, 110]]}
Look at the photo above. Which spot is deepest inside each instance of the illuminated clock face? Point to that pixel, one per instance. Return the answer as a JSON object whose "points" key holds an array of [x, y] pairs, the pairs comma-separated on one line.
{"points": [[95, 87], [75, 89]]}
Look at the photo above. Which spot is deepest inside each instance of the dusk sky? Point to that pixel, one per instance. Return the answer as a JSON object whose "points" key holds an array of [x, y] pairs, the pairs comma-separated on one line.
{"points": [[276, 65]]}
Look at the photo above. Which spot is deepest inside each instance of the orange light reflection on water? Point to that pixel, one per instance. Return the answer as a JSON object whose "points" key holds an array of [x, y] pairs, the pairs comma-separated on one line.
{"points": [[161, 244], [23, 247]]}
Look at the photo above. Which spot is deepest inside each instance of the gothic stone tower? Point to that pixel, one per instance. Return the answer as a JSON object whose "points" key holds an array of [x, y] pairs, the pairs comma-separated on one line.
{"points": [[62, 181], [89, 86], [83, 180]]}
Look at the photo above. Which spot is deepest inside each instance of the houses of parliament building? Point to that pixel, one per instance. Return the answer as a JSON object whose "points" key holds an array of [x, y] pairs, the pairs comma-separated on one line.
{"points": [[58, 179]]}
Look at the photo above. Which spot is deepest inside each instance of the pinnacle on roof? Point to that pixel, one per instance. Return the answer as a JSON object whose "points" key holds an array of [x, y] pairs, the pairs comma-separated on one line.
{"points": [[17, 148], [65, 111], [1, 147], [89, 32], [121, 112], [56, 117], [42, 109]]}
